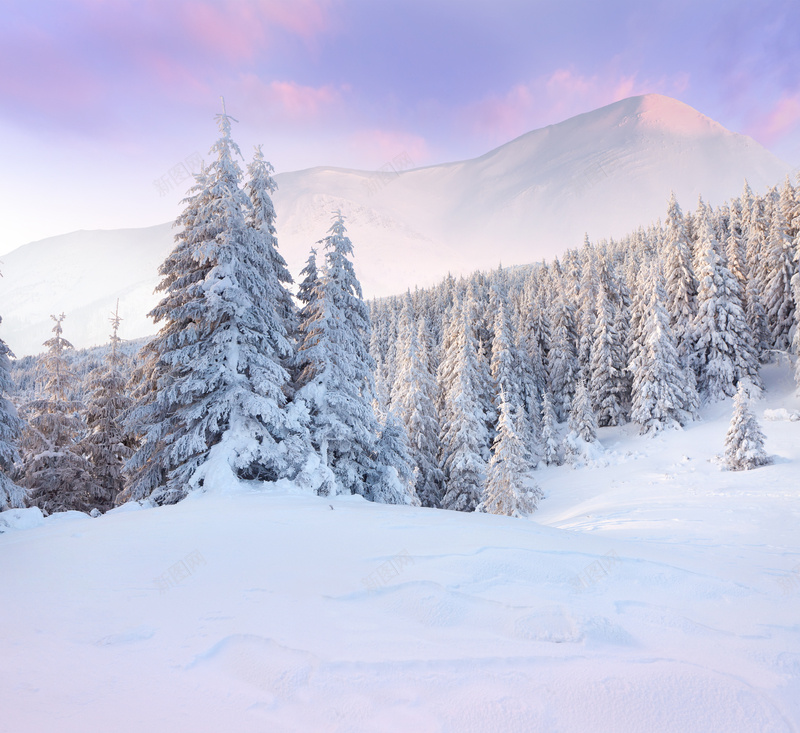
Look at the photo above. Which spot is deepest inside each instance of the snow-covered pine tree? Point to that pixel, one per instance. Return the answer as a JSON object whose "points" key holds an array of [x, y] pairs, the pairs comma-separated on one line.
{"points": [[778, 298], [582, 420], [582, 436], [796, 337], [724, 351], [744, 442], [54, 471], [478, 311], [261, 219], [464, 436], [756, 227], [533, 373], [336, 334], [681, 283], [662, 395], [509, 490], [11, 495], [307, 290], [392, 479], [562, 359], [414, 403], [607, 362], [213, 411], [587, 305], [107, 444], [735, 245], [506, 375], [550, 443]]}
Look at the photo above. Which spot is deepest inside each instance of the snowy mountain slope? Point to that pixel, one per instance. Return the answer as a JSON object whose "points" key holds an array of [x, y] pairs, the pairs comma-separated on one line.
{"points": [[81, 274], [605, 172], [650, 592]]}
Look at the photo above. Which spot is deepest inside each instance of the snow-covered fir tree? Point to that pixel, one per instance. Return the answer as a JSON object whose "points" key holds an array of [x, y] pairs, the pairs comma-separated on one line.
{"points": [[261, 219], [54, 470], [778, 297], [607, 362], [414, 403], [581, 439], [550, 442], [464, 435], [509, 490], [107, 444], [796, 337], [393, 480], [681, 283], [723, 350], [307, 291], [744, 442], [11, 495], [588, 291], [582, 420], [563, 360], [214, 409], [506, 375], [339, 396], [663, 396]]}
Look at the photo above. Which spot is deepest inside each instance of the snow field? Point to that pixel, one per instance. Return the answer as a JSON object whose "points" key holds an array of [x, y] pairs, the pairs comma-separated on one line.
{"points": [[652, 591]]}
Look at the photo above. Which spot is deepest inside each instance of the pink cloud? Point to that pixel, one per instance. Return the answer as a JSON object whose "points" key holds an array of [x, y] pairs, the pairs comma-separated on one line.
{"points": [[243, 29], [303, 102], [782, 119], [287, 101]]}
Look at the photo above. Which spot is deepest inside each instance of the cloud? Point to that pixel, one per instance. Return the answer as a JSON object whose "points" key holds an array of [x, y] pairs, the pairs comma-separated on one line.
{"points": [[71, 63], [245, 29], [288, 101], [781, 121]]}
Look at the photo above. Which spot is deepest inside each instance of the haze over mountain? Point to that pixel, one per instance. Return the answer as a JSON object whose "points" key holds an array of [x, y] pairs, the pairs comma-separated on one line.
{"points": [[603, 173]]}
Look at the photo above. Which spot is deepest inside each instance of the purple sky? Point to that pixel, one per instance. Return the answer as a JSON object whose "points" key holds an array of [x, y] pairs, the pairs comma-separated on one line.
{"points": [[99, 98]]}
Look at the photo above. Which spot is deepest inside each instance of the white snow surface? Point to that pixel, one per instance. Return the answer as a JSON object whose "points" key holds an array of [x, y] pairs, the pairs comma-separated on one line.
{"points": [[652, 591], [603, 173]]}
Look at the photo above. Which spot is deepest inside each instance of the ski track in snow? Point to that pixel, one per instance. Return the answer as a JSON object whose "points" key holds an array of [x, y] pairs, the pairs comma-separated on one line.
{"points": [[653, 592]]}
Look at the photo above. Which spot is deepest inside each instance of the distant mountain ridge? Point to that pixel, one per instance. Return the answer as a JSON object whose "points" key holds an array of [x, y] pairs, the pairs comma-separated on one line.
{"points": [[604, 173]]}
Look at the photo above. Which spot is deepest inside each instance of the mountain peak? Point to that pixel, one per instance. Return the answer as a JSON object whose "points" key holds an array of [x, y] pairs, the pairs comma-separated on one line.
{"points": [[659, 111]]}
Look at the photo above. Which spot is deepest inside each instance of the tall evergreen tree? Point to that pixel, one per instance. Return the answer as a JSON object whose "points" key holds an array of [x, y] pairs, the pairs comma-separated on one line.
{"points": [[778, 298], [796, 338], [551, 445], [11, 495], [261, 219], [724, 352], [392, 478], [681, 283], [54, 470], [582, 424], [214, 410], [336, 334], [563, 360], [107, 444], [464, 437], [744, 442], [506, 491], [607, 362], [582, 420], [662, 395], [414, 402]]}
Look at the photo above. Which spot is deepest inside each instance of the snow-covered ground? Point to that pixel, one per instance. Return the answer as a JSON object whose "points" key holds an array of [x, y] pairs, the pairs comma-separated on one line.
{"points": [[650, 592]]}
